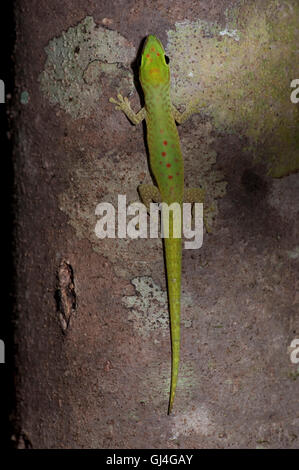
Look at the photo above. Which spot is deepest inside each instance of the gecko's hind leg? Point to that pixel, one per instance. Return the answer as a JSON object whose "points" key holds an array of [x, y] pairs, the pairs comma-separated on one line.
{"points": [[149, 193], [193, 195]]}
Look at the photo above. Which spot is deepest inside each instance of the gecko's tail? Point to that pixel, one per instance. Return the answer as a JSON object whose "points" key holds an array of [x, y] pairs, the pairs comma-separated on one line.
{"points": [[173, 251], [175, 346]]}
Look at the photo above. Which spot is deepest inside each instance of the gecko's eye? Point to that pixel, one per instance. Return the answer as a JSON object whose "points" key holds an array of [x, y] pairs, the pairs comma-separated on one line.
{"points": [[167, 59]]}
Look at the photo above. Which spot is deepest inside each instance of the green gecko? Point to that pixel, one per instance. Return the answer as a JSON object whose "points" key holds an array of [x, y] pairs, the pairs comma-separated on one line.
{"points": [[166, 163]]}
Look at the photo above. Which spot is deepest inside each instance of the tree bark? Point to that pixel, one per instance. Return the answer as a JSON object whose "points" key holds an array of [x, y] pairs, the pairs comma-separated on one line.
{"points": [[91, 328]]}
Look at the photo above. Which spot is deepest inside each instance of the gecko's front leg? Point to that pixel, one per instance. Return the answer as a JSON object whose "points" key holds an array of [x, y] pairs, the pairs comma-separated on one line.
{"points": [[123, 104], [191, 108]]}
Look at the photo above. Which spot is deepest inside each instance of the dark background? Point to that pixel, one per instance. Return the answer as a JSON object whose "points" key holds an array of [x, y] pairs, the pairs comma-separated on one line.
{"points": [[7, 37]]}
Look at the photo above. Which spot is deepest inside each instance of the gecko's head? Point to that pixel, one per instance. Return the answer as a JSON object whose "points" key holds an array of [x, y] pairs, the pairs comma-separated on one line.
{"points": [[154, 68]]}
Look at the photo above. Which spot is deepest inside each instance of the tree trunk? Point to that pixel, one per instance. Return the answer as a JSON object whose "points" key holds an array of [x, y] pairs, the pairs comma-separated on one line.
{"points": [[91, 330]]}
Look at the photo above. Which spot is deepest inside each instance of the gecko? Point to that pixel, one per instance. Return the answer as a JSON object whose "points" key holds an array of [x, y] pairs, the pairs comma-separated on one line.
{"points": [[166, 164]]}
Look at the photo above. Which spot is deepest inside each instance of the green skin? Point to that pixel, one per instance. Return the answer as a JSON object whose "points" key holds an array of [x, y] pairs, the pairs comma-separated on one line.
{"points": [[166, 162]]}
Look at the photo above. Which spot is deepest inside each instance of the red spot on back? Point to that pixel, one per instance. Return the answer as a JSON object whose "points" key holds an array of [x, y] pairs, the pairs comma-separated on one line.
{"points": [[168, 165], [160, 163], [158, 54], [170, 177], [165, 142], [163, 154], [153, 49], [147, 55]]}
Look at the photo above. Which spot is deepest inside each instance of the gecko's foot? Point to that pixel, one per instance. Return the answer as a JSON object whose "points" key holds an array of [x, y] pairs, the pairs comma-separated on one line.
{"points": [[208, 216], [149, 193], [122, 103], [190, 109], [195, 195]]}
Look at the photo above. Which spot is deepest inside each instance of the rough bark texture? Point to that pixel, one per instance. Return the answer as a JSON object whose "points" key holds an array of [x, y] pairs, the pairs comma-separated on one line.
{"points": [[93, 371]]}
